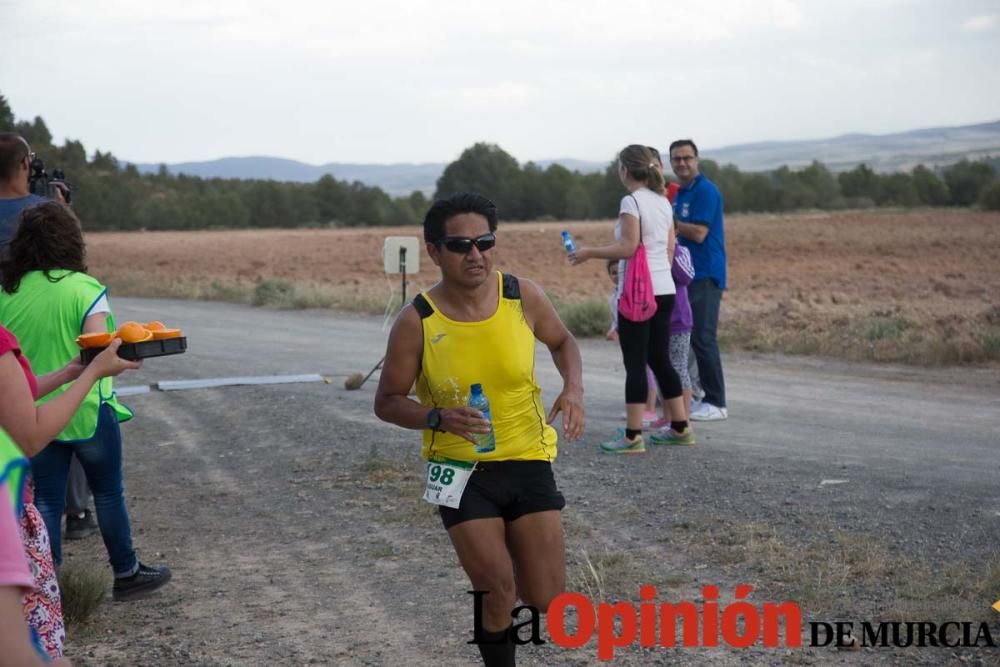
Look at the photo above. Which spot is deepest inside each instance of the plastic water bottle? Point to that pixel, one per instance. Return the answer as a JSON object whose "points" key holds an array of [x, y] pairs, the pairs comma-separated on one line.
{"points": [[485, 442], [568, 242]]}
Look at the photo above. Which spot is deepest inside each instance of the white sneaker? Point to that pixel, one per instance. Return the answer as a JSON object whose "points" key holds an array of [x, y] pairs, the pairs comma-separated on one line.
{"points": [[706, 412]]}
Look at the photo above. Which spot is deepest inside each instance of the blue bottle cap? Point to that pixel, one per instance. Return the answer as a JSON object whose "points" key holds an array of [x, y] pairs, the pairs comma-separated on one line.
{"points": [[477, 389]]}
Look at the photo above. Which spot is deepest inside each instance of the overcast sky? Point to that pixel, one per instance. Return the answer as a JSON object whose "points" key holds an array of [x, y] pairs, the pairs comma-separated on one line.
{"points": [[419, 80]]}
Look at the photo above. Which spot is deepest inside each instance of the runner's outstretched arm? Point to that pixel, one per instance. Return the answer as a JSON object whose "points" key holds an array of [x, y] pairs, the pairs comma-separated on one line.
{"points": [[551, 331]]}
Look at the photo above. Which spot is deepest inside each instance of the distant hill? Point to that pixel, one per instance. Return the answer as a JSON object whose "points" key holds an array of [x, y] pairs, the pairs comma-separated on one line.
{"points": [[395, 179], [883, 152], [886, 152]]}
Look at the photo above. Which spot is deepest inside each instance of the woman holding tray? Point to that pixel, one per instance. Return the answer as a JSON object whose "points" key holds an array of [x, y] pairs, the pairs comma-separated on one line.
{"points": [[25, 429], [47, 301]]}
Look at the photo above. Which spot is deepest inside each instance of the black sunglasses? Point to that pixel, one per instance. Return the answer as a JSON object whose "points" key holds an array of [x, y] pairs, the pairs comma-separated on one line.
{"points": [[463, 244]]}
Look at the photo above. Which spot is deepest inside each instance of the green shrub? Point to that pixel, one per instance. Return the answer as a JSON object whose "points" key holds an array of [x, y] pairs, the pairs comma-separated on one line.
{"points": [[989, 340], [989, 197], [224, 291], [882, 327], [275, 292], [83, 588], [586, 319]]}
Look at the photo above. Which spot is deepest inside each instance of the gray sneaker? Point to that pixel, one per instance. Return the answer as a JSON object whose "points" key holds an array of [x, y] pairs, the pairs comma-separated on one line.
{"points": [[706, 412]]}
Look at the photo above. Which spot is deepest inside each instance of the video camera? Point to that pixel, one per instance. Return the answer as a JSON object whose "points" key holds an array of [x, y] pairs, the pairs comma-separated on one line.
{"points": [[41, 184]]}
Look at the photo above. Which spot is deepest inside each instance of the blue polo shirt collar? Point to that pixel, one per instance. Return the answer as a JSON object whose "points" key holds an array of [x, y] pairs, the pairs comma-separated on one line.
{"points": [[694, 182]]}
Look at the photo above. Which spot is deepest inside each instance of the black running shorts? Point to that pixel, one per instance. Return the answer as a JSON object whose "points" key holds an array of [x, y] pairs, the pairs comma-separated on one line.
{"points": [[507, 489]]}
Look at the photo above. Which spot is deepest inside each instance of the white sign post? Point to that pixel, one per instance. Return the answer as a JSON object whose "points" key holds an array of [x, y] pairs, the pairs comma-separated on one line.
{"points": [[400, 254]]}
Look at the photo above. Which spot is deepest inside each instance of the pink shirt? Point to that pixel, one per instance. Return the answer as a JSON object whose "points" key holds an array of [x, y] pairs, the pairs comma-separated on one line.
{"points": [[8, 343], [13, 565]]}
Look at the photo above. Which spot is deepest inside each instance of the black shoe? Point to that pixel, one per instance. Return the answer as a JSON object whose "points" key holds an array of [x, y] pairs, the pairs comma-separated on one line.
{"points": [[79, 527], [143, 582]]}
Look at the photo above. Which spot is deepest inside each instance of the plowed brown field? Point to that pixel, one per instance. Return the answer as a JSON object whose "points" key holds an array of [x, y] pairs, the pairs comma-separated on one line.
{"points": [[921, 286]]}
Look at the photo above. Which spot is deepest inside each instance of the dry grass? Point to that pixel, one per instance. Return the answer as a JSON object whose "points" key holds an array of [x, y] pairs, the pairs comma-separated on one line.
{"points": [[959, 591], [604, 575], [874, 336], [575, 528], [83, 588], [381, 548], [845, 574], [914, 287], [377, 470], [270, 293]]}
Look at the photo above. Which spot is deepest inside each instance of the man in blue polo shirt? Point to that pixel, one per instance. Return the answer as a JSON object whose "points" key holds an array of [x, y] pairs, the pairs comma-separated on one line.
{"points": [[698, 213], [15, 166]]}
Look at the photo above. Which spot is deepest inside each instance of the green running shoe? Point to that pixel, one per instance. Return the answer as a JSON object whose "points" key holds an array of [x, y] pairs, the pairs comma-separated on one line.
{"points": [[668, 436], [622, 445]]}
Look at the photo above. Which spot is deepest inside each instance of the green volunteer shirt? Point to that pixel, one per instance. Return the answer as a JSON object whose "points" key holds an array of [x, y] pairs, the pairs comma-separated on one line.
{"points": [[13, 465], [47, 314]]}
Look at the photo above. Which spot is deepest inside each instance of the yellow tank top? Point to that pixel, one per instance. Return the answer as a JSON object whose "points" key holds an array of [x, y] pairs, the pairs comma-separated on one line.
{"points": [[498, 353]]}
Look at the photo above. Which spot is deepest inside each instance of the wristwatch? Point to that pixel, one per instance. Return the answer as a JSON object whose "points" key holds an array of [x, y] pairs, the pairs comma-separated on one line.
{"points": [[434, 419]]}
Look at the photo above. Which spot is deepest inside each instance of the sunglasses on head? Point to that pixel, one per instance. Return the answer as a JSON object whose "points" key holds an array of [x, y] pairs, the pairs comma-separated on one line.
{"points": [[463, 244]]}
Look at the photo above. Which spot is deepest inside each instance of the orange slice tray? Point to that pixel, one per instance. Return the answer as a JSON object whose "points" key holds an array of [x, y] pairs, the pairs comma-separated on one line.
{"points": [[143, 350]]}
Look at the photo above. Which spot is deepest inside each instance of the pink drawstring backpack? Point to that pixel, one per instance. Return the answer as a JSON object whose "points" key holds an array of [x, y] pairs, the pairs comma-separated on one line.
{"points": [[637, 302]]}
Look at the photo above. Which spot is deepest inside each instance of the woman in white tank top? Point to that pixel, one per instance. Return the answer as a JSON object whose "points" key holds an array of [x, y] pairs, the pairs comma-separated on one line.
{"points": [[645, 214]]}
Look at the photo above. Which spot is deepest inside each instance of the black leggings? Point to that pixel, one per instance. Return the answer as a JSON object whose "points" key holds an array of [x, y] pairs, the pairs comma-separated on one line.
{"points": [[648, 343]]}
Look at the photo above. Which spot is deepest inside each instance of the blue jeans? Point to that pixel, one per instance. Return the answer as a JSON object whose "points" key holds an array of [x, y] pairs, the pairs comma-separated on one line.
{"points": [[101, 458], [706, 298]]}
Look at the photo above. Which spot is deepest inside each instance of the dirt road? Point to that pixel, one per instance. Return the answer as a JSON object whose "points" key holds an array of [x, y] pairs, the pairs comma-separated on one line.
{"points": [[292, 520]]}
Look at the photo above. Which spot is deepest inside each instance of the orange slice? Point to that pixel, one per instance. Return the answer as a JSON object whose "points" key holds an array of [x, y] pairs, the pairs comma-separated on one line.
{"points": [[133, 332], [155, 325], [160, 334], [94, 339]]}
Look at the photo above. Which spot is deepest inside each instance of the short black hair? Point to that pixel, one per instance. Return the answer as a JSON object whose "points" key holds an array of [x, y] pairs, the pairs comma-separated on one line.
{"points": [[445, 209], [681, 143], [13, 149]]}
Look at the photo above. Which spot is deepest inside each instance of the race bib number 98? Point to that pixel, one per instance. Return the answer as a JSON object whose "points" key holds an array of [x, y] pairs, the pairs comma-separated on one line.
{"points": [[446, 480]]}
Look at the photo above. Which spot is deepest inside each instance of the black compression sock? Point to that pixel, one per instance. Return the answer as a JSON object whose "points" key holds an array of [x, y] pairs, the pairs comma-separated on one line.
{"points": [[679, 426], [632, 433], [496, 648]]}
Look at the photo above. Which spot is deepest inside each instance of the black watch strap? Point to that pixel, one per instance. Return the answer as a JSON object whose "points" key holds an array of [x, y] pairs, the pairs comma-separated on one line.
{"points": [[434, 419]]}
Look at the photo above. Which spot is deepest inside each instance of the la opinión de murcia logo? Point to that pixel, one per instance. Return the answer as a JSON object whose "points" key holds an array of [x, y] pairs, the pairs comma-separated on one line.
{"points": [[739, 624]]}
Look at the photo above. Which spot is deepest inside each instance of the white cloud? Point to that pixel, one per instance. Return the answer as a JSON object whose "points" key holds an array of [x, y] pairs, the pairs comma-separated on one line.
{"points": [[505, 96], [348, 27], [981, 23]]}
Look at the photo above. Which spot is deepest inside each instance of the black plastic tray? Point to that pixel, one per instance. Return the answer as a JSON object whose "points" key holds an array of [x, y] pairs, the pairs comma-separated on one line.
{"points": [[143, 350]]}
